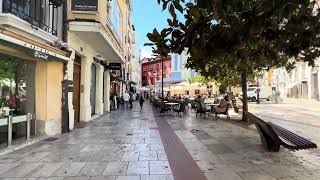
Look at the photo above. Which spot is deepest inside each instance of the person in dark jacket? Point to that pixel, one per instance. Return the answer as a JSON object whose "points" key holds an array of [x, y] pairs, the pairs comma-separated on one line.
{"points": [[141, 100], [131, 99]]}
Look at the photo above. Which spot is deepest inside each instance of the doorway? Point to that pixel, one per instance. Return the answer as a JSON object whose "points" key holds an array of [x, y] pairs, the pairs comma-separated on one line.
{"points": [[93, 89], [76, 88], [315, 79]]}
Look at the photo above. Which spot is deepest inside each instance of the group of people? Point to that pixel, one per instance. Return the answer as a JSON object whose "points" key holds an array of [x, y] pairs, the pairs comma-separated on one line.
{"points": [[128, 99]]}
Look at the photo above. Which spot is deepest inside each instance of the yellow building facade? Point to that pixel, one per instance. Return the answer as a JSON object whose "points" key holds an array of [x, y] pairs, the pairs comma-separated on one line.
{"points": [[97, 31], [32, 65]]}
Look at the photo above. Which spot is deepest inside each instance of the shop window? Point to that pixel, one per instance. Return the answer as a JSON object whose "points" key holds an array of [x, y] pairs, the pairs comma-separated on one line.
{"points": [[17, 94]]}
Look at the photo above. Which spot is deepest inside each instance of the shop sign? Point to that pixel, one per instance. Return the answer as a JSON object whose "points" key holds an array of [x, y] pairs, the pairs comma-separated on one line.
{"points": [[115, 66], [41, 55], [84, 5]]}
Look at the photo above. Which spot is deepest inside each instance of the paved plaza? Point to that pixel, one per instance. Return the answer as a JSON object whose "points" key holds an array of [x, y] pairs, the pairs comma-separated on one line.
{"points": [[128, 145]]}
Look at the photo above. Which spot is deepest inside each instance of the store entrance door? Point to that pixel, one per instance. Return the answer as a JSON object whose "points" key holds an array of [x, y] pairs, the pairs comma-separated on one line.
{"points": [[93, 89], [76, 88]]}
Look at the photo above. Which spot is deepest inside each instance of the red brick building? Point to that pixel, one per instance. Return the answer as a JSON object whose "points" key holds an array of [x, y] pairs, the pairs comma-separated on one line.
{"points": [[151, 70]]}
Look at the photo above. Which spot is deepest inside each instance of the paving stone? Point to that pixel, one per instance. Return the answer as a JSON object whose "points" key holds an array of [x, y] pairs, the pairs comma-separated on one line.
{"points": [[130, 156], [103, 178], [12, 157], [116, 168], [69, 169], [21, 170], [148, 156], [127, 178], [160, 167], [34, 157], [4, 167], [256, 175], [157, 177], [162, 156], [45, 170], [279, 171], [93, 169], [113, 156], [139, 167]]}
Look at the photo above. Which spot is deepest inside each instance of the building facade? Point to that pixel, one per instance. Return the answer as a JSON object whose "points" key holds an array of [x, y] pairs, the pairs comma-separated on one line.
{"points": [[33, 61], [152, 70], [135, 61], [301, 82], [98, 30]]}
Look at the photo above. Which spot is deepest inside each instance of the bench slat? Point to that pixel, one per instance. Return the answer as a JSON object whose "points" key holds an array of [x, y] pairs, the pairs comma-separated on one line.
{"points": [[277, 134], [289, 143], [289, 134], [294, 138], [288, 137]]}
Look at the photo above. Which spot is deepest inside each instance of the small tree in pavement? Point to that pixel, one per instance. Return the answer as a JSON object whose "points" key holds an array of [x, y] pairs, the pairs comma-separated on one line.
{"points": [[244, 36]]}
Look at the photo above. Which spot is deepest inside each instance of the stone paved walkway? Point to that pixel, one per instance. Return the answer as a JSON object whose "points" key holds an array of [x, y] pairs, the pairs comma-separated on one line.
{"points": [[225, 151], [122, 145], [126, 145]]}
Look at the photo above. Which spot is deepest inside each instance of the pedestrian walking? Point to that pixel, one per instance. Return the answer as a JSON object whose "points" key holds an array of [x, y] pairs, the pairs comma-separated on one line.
{"points": [[141, 100], [131, 99], [126, 98]]}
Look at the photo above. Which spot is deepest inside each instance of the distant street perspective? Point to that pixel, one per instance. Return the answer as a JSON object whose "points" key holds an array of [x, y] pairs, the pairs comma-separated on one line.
{"points": [[159, 90]]}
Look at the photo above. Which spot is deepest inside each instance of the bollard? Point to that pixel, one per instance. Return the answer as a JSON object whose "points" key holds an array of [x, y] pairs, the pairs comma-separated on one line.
{"points": [[28, 126], [9, 130]]}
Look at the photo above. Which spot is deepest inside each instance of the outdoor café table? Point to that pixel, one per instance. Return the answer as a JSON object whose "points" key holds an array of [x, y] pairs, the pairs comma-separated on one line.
{"points": [[172, 105]]}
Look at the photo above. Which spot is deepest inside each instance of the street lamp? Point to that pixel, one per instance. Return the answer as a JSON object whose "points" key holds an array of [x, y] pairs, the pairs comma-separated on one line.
{"points": [[154, 82], [162, 93]]}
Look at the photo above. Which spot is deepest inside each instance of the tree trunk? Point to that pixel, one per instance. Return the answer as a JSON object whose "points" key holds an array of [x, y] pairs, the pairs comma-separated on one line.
{"points": [[229, 87], [244, 93]]}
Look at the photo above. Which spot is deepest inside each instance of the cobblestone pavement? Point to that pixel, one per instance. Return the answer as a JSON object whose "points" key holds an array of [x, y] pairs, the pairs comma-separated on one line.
{"points": [[122, 145], [225, 151]]}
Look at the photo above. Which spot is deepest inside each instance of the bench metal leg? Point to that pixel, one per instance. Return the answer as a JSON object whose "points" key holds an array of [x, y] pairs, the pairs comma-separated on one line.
{"points": [[267, 142], [9, 130]]}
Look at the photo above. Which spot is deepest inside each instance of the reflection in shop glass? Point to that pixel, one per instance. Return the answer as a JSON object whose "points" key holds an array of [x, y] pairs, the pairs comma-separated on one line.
{"points": [[17, 86]]}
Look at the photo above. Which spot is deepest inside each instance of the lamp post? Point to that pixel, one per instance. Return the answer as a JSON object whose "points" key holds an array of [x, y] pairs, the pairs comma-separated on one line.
{"points": [[154, 82], [258, 91], [162, 93]]}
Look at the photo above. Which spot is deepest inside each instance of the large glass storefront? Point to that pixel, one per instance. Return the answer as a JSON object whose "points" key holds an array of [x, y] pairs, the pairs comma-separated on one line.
{"points": [[17, 95]]}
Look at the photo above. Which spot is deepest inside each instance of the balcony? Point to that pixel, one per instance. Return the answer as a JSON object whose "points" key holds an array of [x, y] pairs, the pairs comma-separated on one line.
{"points": [[40, 14], [95, 27]]}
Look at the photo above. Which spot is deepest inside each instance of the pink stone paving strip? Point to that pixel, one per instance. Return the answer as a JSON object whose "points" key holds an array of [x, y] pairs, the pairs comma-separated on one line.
{"points": [[181, 162]]}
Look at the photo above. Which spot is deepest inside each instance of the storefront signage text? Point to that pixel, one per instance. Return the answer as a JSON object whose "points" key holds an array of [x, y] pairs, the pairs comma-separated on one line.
{"points": [[41, 55], [84, 5], [114, 66]]}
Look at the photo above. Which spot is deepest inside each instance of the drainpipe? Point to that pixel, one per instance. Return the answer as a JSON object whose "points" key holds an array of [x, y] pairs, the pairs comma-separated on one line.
{"points": [[66, 84]]}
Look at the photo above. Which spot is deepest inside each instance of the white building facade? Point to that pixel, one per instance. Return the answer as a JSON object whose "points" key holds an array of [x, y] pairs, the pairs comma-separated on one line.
{"points": [[301, 82]]}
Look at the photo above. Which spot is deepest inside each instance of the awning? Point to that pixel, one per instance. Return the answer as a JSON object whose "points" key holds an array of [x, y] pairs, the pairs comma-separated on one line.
{"points": [[12, 46]]}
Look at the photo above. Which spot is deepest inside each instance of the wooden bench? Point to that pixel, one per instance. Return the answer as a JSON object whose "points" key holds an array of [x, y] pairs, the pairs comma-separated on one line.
{"points": [[272, 136]]}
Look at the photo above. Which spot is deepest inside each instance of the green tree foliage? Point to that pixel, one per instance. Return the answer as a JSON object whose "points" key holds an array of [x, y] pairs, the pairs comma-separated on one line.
{"points": [[243, 36], [7, 69]]}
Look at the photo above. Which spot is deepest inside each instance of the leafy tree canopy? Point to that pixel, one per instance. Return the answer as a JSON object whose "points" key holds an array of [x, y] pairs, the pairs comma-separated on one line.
{"points": [[243, 36], [258, 34]]}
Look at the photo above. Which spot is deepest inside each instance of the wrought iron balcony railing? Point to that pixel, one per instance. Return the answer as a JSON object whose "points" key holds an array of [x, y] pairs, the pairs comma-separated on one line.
{"points": [[41, 14]]}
